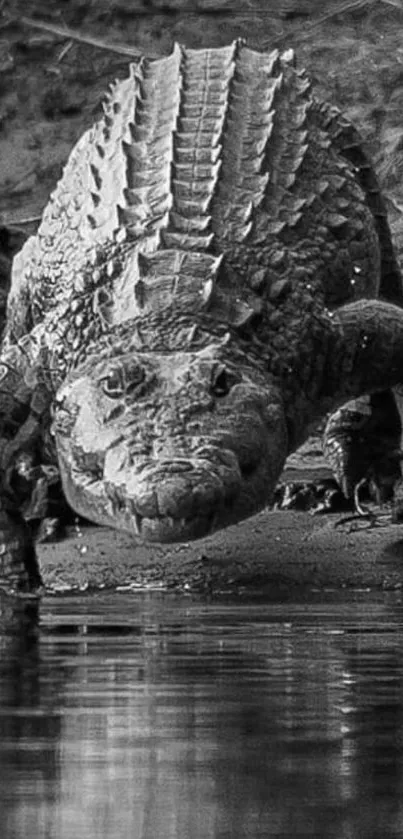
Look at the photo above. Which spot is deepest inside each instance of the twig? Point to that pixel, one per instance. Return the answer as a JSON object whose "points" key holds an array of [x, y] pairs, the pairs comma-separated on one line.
{"points": [[74, 35], [67, 47], [12, 188], [398, 207], [345, 7], [348, 6], [19, 221]]}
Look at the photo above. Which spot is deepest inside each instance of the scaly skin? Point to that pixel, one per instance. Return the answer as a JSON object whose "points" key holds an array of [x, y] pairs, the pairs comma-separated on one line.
{"points": [[362, 441], [194, 442], [180, 311]]}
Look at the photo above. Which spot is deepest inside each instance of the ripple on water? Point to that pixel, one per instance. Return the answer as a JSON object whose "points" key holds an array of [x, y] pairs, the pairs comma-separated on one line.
{"points": [[155, 715]]}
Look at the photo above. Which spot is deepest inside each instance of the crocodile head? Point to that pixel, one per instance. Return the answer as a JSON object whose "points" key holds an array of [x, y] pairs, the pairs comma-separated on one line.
{"points": [[169, 446]]}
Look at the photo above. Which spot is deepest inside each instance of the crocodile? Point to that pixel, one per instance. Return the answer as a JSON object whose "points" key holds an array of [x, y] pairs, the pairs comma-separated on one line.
{"points": [[213, 274]]}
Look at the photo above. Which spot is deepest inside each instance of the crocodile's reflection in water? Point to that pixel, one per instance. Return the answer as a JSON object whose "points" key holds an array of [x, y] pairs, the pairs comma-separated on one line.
{"points": [[151, 715]]}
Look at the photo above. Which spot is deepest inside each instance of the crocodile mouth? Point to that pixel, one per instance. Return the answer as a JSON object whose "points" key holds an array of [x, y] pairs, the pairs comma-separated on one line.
{"points": [[165, 529], [226, 509], [169, 501], [181, 500]]}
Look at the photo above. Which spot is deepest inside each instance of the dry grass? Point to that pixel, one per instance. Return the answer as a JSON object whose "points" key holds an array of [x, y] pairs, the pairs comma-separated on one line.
{"points": [[74, 35]]}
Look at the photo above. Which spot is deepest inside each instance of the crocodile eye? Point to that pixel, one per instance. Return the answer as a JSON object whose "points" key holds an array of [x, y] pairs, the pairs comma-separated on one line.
{"points": [[113, 384], [222, 381]]}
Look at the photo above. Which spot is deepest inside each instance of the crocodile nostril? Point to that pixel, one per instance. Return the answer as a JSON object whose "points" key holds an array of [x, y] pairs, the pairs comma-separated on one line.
{"points": [[115, 413], [223, 380], [173, 467]]}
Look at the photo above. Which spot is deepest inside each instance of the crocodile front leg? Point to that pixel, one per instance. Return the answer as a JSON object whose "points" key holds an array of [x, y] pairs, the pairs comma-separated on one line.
{"points": [[362, 444], [362, 439], [19, 567], [23, 404]]}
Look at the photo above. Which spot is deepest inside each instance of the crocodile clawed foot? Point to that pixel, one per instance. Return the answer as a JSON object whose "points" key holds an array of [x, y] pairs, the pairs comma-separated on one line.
{"points": [[316, 497], [360, 509], [365, 516], [364, 521]]}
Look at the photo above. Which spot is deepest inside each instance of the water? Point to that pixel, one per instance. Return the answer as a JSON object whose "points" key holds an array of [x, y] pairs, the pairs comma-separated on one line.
{"points": [[158, 716]]}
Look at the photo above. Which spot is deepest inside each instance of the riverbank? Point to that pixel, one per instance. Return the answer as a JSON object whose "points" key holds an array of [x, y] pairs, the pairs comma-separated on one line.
{"points": [[273, 548]]}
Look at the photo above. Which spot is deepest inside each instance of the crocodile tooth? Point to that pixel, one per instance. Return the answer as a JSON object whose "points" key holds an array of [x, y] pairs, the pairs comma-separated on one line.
{"points": [[207, 291], [121, 235], [75, 305], [139, 522], [110, 269]]}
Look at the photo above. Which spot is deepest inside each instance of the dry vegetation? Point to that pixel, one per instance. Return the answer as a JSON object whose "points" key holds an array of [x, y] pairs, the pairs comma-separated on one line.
{"points": [[58, 56]]}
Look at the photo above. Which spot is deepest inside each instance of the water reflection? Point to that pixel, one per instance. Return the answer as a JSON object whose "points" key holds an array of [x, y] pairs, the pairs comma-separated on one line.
{"points": [[150, 715]]}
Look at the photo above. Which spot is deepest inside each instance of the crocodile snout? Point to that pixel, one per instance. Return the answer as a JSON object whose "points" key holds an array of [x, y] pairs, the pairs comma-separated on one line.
{"points": [[177, 500]]}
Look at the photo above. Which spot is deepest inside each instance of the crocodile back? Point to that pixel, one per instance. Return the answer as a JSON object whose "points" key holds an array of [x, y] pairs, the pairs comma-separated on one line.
{"points": [[348, 141], [213, 179]]}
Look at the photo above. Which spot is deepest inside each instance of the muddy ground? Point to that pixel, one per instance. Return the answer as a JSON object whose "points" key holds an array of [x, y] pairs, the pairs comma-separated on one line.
{"points": [[57, 58]]}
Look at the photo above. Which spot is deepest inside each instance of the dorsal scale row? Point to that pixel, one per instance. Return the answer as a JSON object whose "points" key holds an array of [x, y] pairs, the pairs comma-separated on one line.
{"points": [[149, 147], [248, 128], [206, 77]]}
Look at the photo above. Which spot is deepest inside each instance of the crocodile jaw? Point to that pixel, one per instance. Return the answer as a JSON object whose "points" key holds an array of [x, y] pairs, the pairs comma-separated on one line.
{"points": [[177, 462], [165, 504]]}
